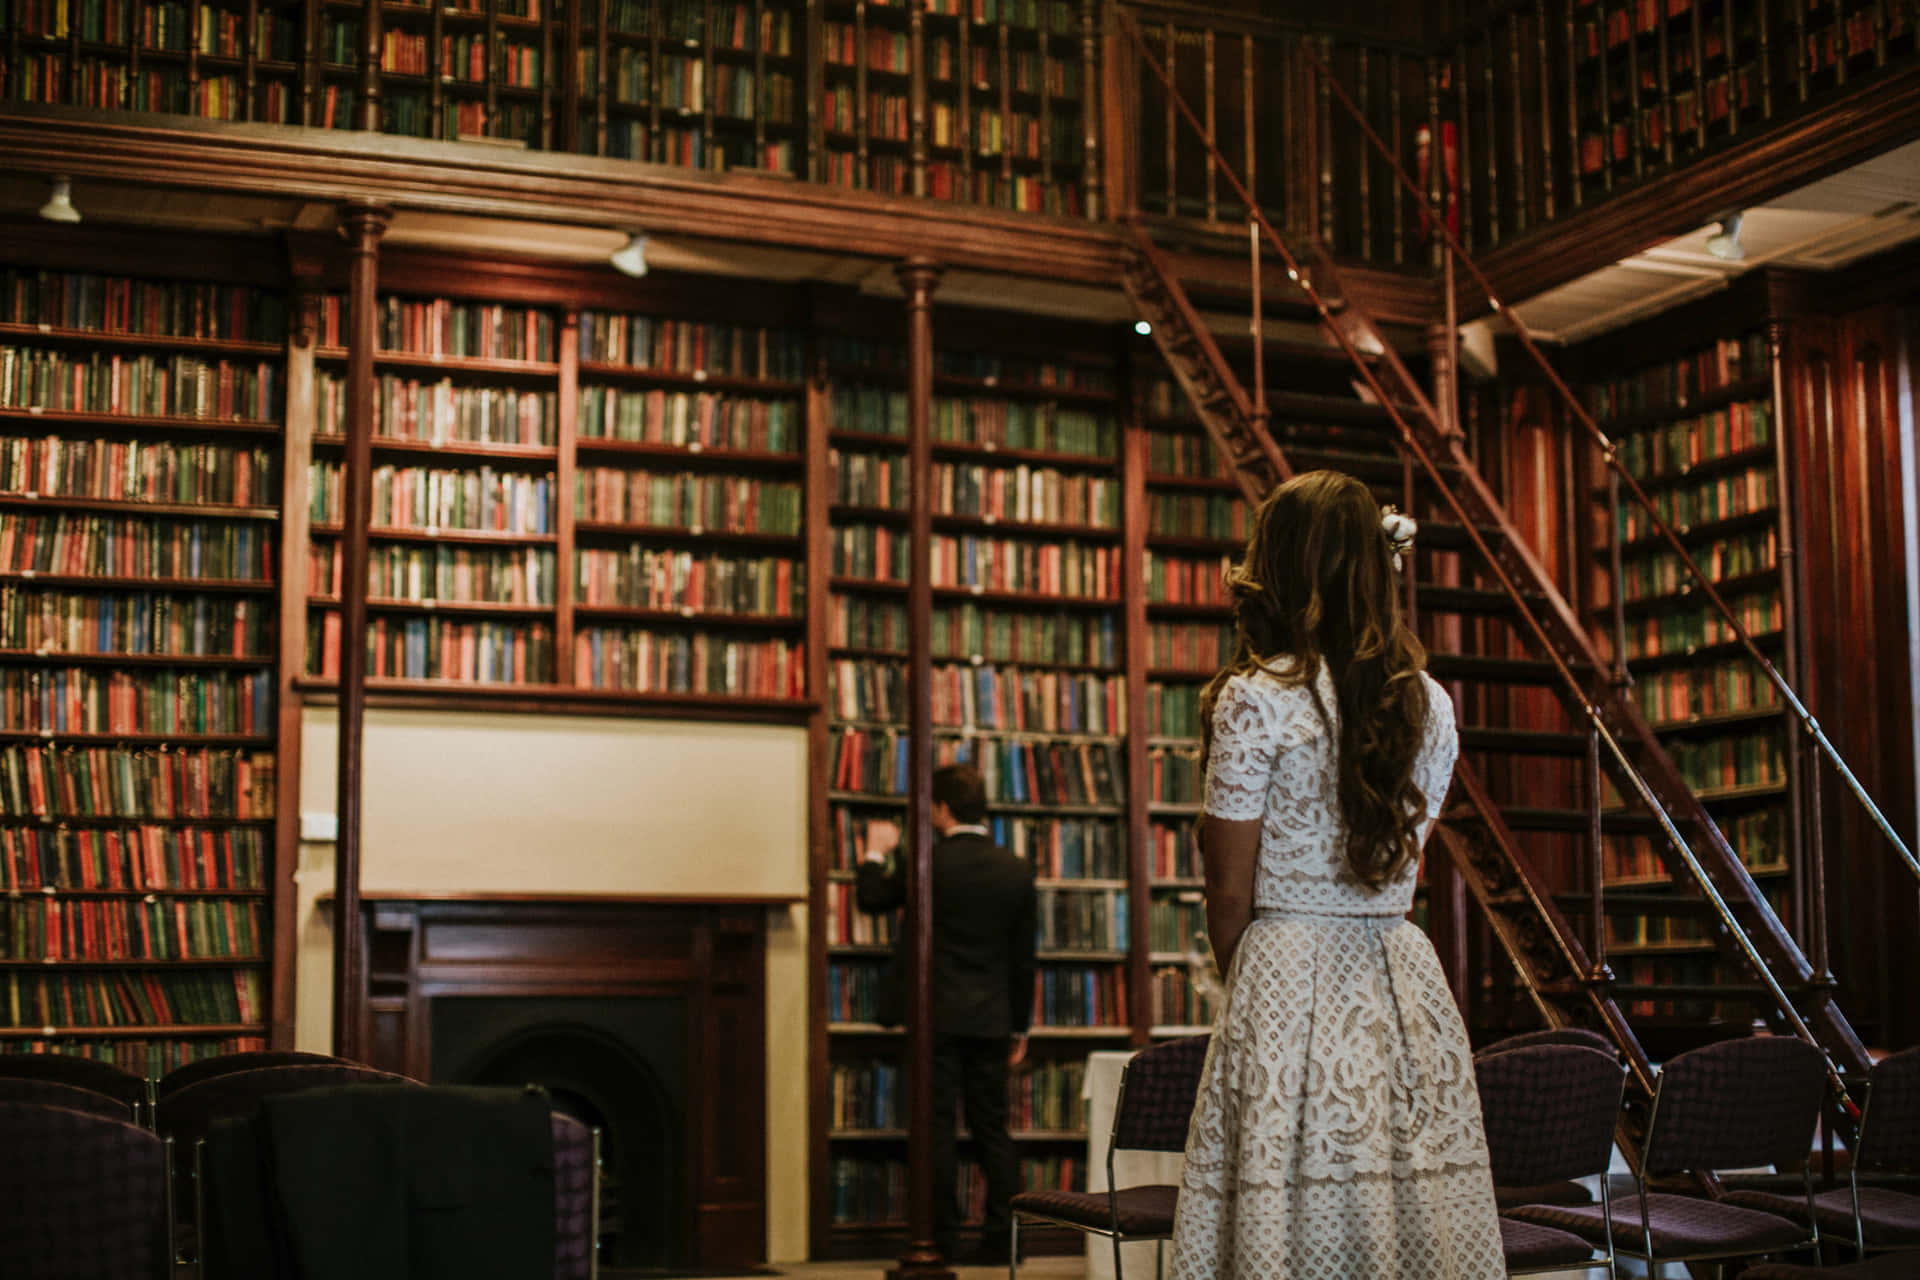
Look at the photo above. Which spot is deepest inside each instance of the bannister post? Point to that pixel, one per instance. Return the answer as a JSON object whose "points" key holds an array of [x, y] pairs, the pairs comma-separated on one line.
{"points": [[1092, 117]]}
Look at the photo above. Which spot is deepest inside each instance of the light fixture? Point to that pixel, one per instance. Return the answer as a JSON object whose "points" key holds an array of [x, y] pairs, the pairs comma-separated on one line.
{"points": [[60, 207], [1726, 244], [1143, 328], [632, 258]]}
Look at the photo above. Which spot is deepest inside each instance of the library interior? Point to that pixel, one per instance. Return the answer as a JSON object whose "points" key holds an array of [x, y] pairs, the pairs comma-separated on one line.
{"points": [[497, 497]]}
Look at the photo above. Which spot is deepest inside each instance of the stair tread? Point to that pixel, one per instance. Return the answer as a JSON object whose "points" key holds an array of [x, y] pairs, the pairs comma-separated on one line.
{"points": [[1527, 741], [1534, 818], [1456, 666], [1450, 599]]}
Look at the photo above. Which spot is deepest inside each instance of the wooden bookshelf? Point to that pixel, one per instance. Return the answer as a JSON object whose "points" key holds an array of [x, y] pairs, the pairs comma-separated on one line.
{"points": [[139, 730]]}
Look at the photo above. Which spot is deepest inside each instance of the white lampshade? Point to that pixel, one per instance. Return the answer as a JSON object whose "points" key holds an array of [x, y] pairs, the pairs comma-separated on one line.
{"points": [[60, 207], [632, 258], [1726, 244]]}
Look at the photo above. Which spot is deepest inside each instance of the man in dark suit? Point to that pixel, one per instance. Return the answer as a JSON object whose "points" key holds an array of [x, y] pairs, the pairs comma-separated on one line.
{"points": [[982, 987]]}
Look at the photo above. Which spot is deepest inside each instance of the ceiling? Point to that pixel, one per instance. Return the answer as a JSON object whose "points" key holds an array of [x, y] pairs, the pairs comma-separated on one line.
{"points": [[1861, 211]]}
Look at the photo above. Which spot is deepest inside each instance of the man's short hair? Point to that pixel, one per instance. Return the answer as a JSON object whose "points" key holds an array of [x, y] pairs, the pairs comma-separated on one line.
{"points": [[958, 786]]}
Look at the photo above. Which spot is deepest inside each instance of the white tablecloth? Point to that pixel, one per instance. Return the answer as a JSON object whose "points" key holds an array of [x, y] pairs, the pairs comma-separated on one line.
{"points": [[1130, 1168]]}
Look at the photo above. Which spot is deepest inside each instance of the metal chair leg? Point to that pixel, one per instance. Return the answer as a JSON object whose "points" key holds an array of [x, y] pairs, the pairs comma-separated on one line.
{"points": [[1013, 1245]]}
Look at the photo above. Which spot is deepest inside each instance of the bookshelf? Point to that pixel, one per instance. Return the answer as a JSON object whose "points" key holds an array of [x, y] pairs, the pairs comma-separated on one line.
{"points": [[140, 452], [1701, 430]]}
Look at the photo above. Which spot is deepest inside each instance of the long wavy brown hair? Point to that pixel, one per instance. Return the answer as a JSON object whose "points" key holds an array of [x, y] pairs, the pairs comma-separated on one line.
{"points": [[1317, 585]]}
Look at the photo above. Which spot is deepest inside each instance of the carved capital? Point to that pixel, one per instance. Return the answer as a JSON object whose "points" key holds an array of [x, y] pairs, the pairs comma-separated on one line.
{"points": [[918, 276], [363, 222]]}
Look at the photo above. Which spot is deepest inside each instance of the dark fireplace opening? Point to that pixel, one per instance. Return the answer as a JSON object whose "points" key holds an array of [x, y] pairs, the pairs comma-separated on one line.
{"points": [[616, 1063]]}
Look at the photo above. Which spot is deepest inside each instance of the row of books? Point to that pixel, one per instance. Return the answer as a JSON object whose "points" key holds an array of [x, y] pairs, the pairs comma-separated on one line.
{"points": [[46, 621], [136, 547], [693, 501], [150, 856], [1717, 498], [1672, 631], [866, 1190], [1058, 848], [440, 412], [446, 327], [853, 990], [1171, 851], [1066, 996], [1077, 570], [1173, 708], [1681, 693], [61, 700], [983, 697], [1025, 69], [419, 648], [1179, 580], [147, 1058], [130, 998], [1738, 760], [695, 420], [167, 25], [1755, 551], [1677, 447], [868, 410], [1041, 771], [1175, 1001], [53, 928], [1178, 453], [140, 385], [1016, 424], [1175, 774], [870, 1093], [1758, 836], [1202, 648], [1032, 495], [647, 661], [869, 553], [691, 346], [480, 499], [151, 308], [997, 635], [1176, 921], [847, 925], [647, 579], [409, 571], [41, 782], [1196, 515], [1655, 931], [139, 471], [1679, 383], [1071, 919]]}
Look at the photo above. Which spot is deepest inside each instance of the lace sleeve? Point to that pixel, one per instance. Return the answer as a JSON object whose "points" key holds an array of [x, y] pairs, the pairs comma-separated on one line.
{"points": [[1246, 740], [1433, 771]]}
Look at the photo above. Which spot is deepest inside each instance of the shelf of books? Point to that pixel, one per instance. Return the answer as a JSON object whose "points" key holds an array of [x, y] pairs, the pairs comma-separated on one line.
{"points": [[139, 565], [1699, 433], [1196, 523], [465, 71], [705, 84]]}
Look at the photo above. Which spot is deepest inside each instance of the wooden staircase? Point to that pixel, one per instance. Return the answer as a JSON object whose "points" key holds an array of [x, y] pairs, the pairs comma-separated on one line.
{"points": [[1501, 635]]}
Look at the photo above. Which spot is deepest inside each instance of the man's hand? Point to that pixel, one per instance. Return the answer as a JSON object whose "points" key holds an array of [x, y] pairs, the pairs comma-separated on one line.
{"points": [[883, 837], [1018, 1054]]}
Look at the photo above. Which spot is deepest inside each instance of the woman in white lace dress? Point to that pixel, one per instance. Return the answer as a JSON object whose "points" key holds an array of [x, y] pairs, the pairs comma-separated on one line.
{"points": [[1337, 1132]]}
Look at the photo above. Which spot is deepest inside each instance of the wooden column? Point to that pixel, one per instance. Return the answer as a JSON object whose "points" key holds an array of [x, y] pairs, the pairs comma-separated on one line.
{"points": [[364, 224], [921, 1261], [367, 109]]}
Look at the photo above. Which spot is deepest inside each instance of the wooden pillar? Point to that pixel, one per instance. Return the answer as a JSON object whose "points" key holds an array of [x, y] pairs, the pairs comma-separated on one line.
{"points": [[921, 1261], [364, 224]]}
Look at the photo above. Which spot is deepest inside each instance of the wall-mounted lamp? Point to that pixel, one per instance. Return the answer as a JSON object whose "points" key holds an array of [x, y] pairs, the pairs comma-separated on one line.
{"points": [[1725, 245], [1143, 328], [60, 207], [631, 259]]}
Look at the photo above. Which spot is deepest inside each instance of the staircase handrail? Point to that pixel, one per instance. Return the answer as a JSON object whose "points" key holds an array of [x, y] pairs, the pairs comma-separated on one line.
{"points": [[1728, 920], [1609, 453]]}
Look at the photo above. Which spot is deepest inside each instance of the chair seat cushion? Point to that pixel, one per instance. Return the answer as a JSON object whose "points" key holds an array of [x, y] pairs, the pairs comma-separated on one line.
{"points": [[1144, 1211], [1528, 1244], [1682, 1225], [1890, 1219], [1544, 1193]]}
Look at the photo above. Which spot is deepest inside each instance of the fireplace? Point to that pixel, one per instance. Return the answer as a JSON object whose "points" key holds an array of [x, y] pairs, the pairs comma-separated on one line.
{"points": [[643, 1018]]}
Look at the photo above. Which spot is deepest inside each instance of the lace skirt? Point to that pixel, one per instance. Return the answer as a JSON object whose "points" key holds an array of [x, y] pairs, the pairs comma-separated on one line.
{"points": [[1337, 1132]]}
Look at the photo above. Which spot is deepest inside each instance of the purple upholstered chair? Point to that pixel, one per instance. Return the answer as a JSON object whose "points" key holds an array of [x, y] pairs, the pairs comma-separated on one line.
{"points": [[1579, 1036], [1153, 1112], [1736, 1104], [227, 1064], [1550, 1111], [86, 1073], [52, 1093], [576, 1198], [1877, 1218], [85, 1196]]}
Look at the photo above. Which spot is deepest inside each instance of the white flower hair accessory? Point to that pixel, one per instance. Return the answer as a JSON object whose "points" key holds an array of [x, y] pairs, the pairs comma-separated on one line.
{"points": [[1400, 531]]}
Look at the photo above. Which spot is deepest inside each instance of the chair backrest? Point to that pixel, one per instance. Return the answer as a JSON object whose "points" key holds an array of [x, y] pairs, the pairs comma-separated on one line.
{"points": [[85, 1195], [574, 1192], [1580, 1036], [186, 1114], [1156, 1096], [87, 1073], [54, 1093], [1890, 1123], [1550, 1112], [1736, 1104], [226, 1064]]}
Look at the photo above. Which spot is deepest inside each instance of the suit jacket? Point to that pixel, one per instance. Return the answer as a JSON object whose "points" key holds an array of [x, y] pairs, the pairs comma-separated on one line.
{"points": [[983, 937]]}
